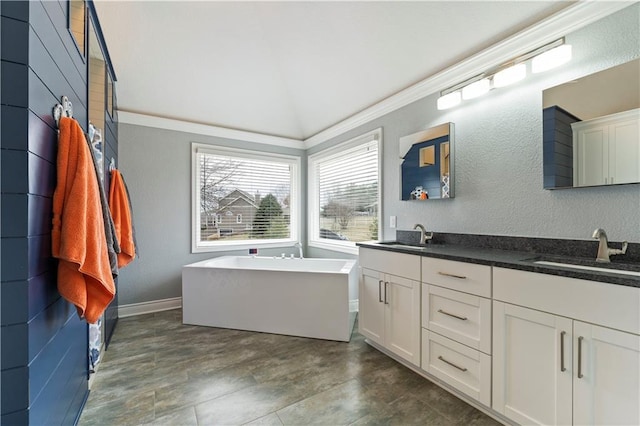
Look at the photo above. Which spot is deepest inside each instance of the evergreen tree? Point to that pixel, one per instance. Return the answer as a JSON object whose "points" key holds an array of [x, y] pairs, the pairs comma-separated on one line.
{"points": [[269, 221]]}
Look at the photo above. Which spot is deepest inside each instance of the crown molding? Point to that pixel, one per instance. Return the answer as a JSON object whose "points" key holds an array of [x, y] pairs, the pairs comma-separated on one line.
{"points": [[205, 129], [558, 25]]}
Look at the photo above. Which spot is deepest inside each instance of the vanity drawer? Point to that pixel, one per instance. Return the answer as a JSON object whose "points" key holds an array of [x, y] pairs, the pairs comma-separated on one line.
{"points": [[467, 277], [462, 317], [459, 366], [398, 264]]}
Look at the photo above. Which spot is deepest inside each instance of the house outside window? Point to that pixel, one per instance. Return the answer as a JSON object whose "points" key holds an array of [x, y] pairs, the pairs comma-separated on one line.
{"points": [[344, 193], [243, 199]]}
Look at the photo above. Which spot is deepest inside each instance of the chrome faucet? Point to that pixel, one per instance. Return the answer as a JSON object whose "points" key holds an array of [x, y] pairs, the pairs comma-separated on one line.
{"points": [[603, 248], [299, 245], [424, 235]]}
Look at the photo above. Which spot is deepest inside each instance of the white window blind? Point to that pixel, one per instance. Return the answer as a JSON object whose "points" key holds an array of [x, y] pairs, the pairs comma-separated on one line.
{"points": [[243, 197], [345, 184]]}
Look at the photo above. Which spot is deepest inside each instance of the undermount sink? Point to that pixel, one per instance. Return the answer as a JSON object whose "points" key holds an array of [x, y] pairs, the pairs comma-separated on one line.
{"points": [[398, 244], [588, 268]]}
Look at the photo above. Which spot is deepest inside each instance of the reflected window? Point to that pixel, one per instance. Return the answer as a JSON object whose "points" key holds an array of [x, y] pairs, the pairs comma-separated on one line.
{"points": [[77, 23]]}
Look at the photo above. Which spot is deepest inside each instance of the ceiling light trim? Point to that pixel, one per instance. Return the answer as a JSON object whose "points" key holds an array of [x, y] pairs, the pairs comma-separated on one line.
{"points": [[558, 25], [138, 119]]}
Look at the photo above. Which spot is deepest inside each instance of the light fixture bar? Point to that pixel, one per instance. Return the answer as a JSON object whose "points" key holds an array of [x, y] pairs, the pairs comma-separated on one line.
{"points": [[507, 73]]}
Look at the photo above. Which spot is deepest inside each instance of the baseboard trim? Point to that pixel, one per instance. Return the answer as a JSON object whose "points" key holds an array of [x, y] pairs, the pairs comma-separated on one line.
{"points": [[149, 307]]}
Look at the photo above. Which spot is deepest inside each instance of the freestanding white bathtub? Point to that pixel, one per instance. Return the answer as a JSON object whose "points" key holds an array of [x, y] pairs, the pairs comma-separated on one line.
{"points": [[299, 297]]}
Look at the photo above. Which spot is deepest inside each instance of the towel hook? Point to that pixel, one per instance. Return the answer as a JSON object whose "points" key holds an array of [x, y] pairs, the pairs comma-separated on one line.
{"points": [[65, 109], [112, 164]]}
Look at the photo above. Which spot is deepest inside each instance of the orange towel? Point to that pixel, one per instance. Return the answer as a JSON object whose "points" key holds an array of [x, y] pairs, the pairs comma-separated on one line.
{"points": [[121, 213], [78, 237]]}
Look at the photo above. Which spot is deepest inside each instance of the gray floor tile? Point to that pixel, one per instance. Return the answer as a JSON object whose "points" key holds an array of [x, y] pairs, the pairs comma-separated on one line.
{"points": [[158, 371]]}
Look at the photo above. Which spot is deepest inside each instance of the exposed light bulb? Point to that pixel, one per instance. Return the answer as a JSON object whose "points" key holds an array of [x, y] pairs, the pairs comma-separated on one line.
{"points": [[449, 100], [551, 58], [510, 75], [476, 89]]}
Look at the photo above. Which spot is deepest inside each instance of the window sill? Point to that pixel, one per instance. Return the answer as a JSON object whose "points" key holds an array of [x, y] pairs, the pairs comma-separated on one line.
{"points": [[242, 245], [349, 247]]}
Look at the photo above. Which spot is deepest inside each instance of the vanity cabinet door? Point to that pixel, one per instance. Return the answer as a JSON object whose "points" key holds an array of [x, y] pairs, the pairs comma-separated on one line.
{"points": [[371, 313], [402, 318], [608, 361], [532, 373]]}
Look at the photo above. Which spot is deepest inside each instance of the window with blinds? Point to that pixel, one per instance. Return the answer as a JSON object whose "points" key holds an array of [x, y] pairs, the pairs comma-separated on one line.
{"points": [[243, 198], [345, 193]]}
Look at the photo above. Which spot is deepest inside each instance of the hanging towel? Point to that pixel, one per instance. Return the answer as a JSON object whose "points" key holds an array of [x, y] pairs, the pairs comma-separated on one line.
{"points": [[109, 228], [121, 213], [78, 235]]}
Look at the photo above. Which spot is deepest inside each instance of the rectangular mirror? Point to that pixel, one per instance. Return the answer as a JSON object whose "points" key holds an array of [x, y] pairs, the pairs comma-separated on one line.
{"points": [[427, 164], [591, 129], [78, 23]]}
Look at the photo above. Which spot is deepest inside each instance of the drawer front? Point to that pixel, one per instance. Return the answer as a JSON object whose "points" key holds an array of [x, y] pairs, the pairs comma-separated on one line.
{"points": [[463, 368], [462, 317], [467, 277], [609, 305], [398, 264]]}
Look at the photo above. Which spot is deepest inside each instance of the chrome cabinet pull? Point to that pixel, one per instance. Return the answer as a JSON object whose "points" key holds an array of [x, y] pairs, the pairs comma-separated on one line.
{"points": [[386, 283], [452, 315], [380, 291], [562, 367], [451, 364], [580, 375], [446, 274]]}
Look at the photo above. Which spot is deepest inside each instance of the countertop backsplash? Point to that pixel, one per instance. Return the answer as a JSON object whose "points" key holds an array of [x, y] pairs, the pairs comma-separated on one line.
{"points": [[586, 249]]}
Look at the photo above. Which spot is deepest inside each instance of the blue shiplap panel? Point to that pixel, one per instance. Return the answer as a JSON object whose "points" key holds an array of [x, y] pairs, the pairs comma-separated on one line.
{"points": [[43, 364], [52, 403], [40, 260], [15, 219], [15, 389], [15, 9], [14, 172], [14, 299], [43, 292], [14, 41], [14, 129], [42, 176], [45, 325], [14, 346], [17, 418], [15, 260], [58, 22], [57, 75], [40, 215], [15, 84], [43, 137]]}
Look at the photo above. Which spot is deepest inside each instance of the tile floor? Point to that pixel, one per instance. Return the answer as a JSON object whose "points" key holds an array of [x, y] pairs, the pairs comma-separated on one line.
{"points": [[159, 371]]}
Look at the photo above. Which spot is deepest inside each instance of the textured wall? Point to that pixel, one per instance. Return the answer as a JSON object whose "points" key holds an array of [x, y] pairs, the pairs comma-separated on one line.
{"points": [[498, 155]]}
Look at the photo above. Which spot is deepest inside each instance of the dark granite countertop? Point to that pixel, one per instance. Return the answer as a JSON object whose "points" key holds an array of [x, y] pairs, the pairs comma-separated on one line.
{"points": [[516, 259]]}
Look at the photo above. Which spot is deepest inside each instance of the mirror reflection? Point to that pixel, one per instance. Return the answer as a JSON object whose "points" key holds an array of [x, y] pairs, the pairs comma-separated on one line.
{"points": [[591, 131], [427, 164]]}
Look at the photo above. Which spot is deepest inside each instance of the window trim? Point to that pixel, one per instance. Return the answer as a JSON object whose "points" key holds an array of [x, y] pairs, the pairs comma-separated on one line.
{"points": [[295, 204], [313, 204]]}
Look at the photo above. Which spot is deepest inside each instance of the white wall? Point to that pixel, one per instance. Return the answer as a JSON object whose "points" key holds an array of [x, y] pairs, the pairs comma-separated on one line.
{"points": [[498, 171]]}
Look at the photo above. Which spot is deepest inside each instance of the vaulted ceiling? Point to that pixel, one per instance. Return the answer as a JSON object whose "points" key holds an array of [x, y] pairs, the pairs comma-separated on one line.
{"points": [[292, 69]]}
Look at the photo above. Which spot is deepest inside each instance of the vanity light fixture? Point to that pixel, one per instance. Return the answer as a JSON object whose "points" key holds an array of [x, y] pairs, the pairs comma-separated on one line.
{"points": [[551, 58], [449, 100], [510, 75], [545, 58], [475, 89]]}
